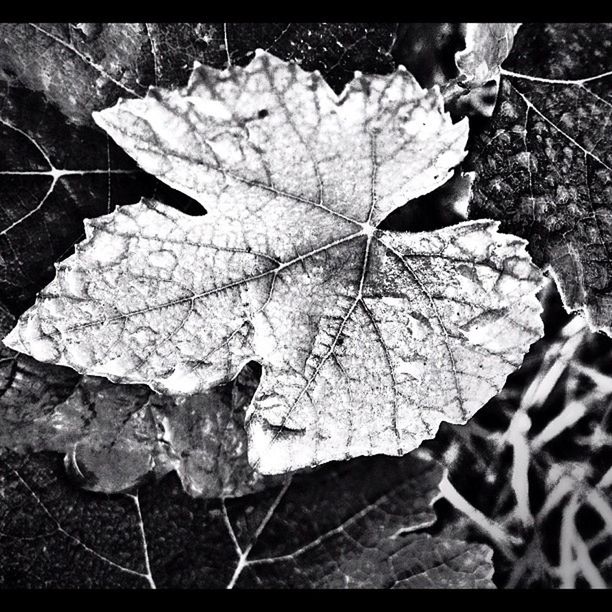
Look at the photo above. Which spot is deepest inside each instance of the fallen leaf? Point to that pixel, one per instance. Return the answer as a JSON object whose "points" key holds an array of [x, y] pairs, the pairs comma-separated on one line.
{"points": [[474, 89], [487, 45], [368, 339], [544, 163], [82, 67], [355, 524], [52, 175], [114, 437]]}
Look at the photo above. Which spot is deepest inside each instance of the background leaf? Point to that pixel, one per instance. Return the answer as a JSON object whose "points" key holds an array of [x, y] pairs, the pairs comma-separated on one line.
{"points": [[544, 163], [82, 67], [356, 524]]}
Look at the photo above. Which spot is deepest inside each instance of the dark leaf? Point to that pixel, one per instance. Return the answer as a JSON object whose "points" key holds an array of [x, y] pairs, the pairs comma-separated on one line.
{"points": [[544, 163], [356, 524], [84, 67], [52, 175]]}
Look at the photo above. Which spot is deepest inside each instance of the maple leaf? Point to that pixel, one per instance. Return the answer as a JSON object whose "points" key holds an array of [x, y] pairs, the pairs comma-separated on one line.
{"points": [[368, 338], [355, 524], [544, 163]]}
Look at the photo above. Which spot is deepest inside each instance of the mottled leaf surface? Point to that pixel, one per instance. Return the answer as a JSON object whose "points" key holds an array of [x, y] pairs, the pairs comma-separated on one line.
{"points": [[357, 524], [289, 268], [544, 163]]}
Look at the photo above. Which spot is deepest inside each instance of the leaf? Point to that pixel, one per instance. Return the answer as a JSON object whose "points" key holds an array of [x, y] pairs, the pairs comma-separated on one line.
{"points": [[356, 524], [116, 436], [367, 338], [487, 45], [82, 67], [474, 90], [544, 163], [51, 176]]}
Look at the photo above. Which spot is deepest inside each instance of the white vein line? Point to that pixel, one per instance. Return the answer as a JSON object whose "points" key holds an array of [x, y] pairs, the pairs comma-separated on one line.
{"points": [[243, 560], [58, 173], [530, 104], [34, 210], [279, 37], [85, 59], [337, 530], [76, 540], [536, 79], [32, 140], [580, 83], [373, 175], [226, 43], [230, 528], [153, 53], [55, 175], [108, 180], [143, 536]]}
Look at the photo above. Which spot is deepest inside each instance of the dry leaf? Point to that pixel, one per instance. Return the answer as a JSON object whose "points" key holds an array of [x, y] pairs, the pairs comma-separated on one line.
{"points": [[368, 338], [487, 45], [114, 437], [474, 91]]}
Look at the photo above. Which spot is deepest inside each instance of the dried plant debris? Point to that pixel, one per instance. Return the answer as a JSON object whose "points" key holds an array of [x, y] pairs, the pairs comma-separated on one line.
{"points": [[544, 163], [350, 525], [487, 45], [289, 268]]}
